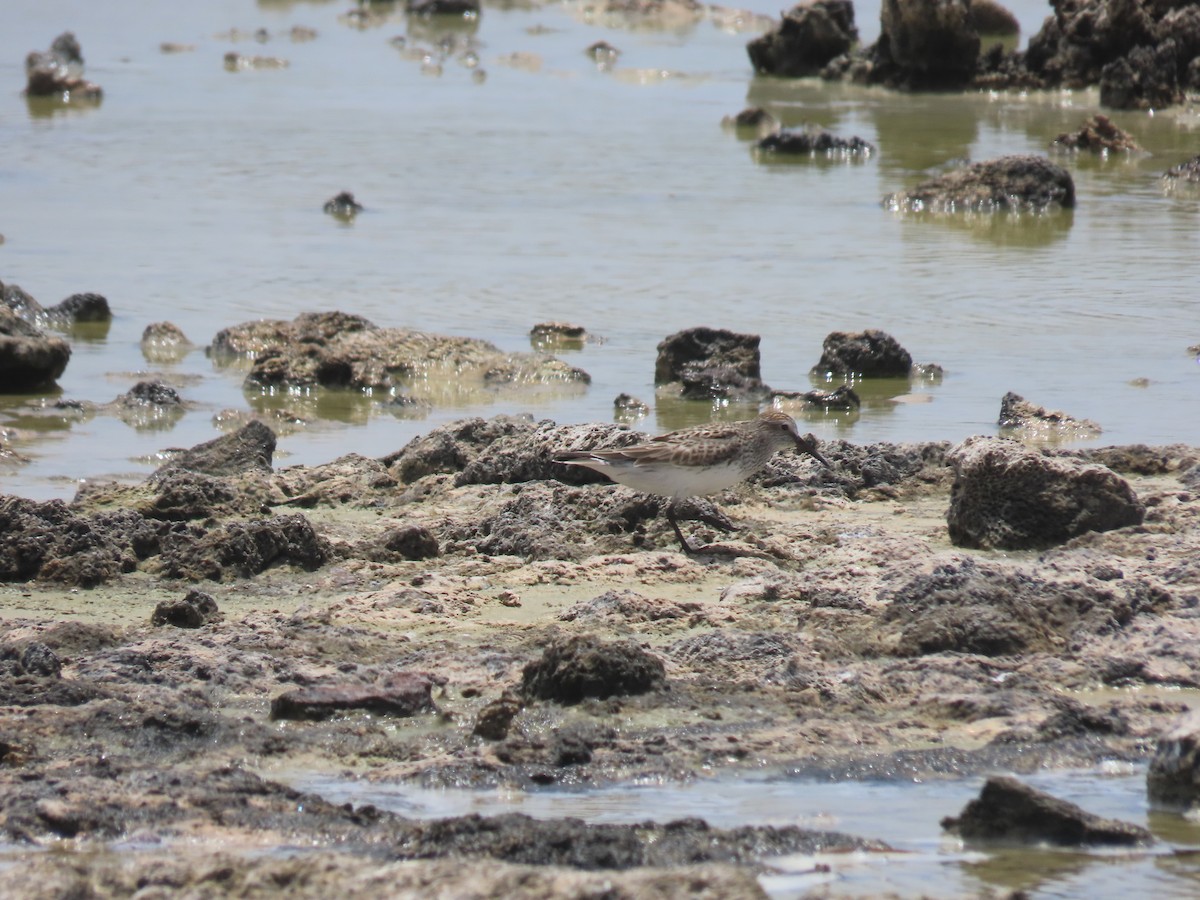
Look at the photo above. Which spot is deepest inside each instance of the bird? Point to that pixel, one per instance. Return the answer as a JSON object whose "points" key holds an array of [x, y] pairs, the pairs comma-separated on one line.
{"points": [[697, 461]]}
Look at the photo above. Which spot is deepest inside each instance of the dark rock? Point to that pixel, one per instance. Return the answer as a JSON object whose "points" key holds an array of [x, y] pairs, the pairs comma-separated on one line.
{"points": [[1006, 496], [1099, 134], [1008, 184], [807, 37], [754, 117], [926, 44], [493, 721], [549, 521], [805, 142], [625, 606], [842, 397], [1173, 779], [462, 8], [711, 363], [972, 608], [30, 658], [871, 354], [410, 542], [195, 609], [1140, 54], [56, 73], [180, 496], [519, 838], [1031, 421], [249, 449], [82, 308], [990, 18], [403, 694], [243, 549], [1007, 810], [558, 334], [574, 668], [529, 456], [29, 360], [150, 393], [1185, 173], [450, 448], [343, 206], [49, 542]]}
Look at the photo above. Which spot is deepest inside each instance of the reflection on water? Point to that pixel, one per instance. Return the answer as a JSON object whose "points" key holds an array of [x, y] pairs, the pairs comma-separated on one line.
{"points": [[904, 814]]}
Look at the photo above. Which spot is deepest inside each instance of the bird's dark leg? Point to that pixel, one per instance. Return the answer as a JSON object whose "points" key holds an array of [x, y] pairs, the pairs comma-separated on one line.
{"points": [[687, 548]]}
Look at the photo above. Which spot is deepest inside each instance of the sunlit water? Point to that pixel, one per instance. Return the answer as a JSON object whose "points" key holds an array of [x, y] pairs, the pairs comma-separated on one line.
{"points": [[905, 815], [553, 190]]}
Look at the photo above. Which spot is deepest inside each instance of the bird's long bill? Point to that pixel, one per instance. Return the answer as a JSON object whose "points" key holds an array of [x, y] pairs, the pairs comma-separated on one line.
{"points": [[808, 444]]}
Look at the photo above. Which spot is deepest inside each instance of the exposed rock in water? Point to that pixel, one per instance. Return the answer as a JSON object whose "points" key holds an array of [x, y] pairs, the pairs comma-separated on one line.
{"points": [[1007, 184], [804, 142], [925, 45], [870, 354], [57, 73], [338, 350], [1099, 134], [1008, 497], [1173, 779], [574, 668], [711, 363], [1007, 810], [807, 37], [342, 206], [164, 342], [1026, 420], [990, 18], [29, 360]]}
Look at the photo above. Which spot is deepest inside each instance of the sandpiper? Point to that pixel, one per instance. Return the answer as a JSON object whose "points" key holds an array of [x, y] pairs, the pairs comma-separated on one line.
{"points": [[693, 462]]}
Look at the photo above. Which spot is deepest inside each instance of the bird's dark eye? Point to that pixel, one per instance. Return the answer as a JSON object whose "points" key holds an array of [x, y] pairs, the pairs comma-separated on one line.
{"points": [[784, 427]]}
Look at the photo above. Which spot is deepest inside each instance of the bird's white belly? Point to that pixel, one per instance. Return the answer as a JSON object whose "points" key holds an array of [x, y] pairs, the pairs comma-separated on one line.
{"points": [[675, 481]]}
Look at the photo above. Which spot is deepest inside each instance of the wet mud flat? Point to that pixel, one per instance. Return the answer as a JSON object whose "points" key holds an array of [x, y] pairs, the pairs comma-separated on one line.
{"points": [[461, 614]]}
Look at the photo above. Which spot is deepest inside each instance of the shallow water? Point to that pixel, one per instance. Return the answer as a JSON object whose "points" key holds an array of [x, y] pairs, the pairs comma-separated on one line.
{"points": [[553, 190], [904, 814]]}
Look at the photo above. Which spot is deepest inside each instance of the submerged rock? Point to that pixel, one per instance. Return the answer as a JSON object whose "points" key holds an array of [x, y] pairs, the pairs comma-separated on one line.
{"points": [[807, 37], [1007, 184], [574, 668], [1007, 810], [1008, 497]]}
